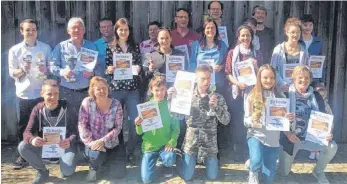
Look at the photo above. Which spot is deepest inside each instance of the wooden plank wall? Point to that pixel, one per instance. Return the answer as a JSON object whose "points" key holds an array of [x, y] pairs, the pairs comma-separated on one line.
{"points": [[53, 16]]}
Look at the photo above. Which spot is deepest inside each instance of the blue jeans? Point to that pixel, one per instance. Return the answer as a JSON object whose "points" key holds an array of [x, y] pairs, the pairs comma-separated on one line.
{"points": [[186, 167], [130, 99], [32, 154], [149, 160], [262, 158]]}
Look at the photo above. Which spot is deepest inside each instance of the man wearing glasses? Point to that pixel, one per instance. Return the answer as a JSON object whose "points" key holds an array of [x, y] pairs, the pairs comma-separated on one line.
{"points": [[106, 30]]}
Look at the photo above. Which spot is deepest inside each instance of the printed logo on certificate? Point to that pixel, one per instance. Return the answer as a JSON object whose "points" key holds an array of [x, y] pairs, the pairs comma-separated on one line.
{"points": [[173, 64], [86, 60], [209, 62], [276, 109], [150, 114], [316, 65], [123, 65], [52, 137], [287, 72], [245, 72], [319, 127]]}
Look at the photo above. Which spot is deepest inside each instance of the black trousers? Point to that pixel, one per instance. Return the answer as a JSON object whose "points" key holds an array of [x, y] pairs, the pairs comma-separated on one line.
{"points": [[25, 108]]}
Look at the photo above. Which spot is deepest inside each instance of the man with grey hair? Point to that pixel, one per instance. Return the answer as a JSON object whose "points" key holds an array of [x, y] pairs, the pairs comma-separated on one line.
{"points": [[74, 84], [265, 34]]}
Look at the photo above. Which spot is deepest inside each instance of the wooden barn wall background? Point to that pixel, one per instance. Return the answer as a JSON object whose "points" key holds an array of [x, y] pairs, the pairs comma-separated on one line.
{"points": [[52, 17]]}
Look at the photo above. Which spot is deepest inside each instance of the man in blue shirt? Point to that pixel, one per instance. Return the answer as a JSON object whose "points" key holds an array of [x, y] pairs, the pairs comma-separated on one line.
{"points": [[74, 84], [106, 30]]}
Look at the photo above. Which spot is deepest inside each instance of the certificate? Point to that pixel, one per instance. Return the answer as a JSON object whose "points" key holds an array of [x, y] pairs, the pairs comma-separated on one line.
{"points": [[276, 109], [316, 65], [52, 137], [223, 34], [287, 72], [245, 72], [173, 64], [123, 64], [86, 60], [182, 99], [209, 62], [319, 127], [150, 114], [184, 49]]}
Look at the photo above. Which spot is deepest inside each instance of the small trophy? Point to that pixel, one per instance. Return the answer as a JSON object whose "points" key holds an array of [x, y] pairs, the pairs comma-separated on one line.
{"points": [[257, 109], [212, 89], [40, 75], [27, 63], [70, 65]]}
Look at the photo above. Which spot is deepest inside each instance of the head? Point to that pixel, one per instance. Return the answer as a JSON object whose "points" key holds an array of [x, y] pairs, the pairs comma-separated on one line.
{"points": [[50, 93], [76, 28], [203, 77], [122, 31], [245, 36], [98, 88], [157, 86], [153, 28], [210, 29], [292, 29], [215, 9], [259, 13], [302, 77], [251, 22], [182, 18], [28, 29], [164, 38], [307, 24], [106, 27]]}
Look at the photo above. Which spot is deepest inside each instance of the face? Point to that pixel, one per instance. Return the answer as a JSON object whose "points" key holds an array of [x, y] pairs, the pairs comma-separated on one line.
{"points": [[164, 39], [259, 15], [215, 10], [245, 38], [100, 90], [307, 27], [293, 33], [267, 79], [29, 31], [182, 19], [210, 30], [76, 31], [254, 27], [302, 81], [203, 80], [159, 92], [50, 95], [106, 28], [123, 32], [153, 32]]}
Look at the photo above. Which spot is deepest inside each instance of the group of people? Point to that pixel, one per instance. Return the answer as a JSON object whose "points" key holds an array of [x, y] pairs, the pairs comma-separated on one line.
{"points": [[91, 104]]}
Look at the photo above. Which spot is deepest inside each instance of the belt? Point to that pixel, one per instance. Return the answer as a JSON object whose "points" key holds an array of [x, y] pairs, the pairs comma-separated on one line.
{"points": [[76, 90]]}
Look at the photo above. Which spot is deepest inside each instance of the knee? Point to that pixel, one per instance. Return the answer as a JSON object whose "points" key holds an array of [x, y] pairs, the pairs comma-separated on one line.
{"points": [[23, 147], [332, 148], [67, 170], [169, 159]]}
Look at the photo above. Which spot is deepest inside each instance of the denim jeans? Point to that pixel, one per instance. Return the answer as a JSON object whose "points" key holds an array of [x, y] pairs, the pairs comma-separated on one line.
{"points": [[326, 154], [262, 158], [33, 156], [149, 160], [130, 99], [186, 167]]}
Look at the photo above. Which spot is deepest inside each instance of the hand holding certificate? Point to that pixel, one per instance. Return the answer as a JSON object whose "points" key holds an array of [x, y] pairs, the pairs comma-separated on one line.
{"points": [[150, 115], [173, 64], [245, 72], [123, 66], [276, 110], [316, 65], [52, 137], [319, 127]]}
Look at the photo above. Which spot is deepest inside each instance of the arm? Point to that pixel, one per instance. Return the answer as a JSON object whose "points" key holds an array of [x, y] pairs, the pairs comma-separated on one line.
{"points": [[175, 124], [248, 118], [56, 57], [15, 71], [32, 128], [275, 58], [221, 110], [107, 139], [109, 59], [83, 123], [229, 68], [139, 129]]}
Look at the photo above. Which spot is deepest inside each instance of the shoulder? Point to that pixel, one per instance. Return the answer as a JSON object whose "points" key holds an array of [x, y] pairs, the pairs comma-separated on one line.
{"points": [[89, 44], [43, 45], [16, 47], [86, 101], [39, 106], [98, 41]]}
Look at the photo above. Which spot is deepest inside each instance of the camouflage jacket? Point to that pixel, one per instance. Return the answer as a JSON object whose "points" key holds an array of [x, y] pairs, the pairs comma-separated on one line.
{"points": [[201, 133]]}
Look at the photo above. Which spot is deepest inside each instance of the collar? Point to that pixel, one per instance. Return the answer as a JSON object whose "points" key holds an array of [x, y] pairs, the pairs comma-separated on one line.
{"points": [[25, 44], [70, 41]]}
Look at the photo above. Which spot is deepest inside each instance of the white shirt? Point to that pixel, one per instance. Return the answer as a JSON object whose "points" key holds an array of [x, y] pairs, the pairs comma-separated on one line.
{"points": [[15, 61]]}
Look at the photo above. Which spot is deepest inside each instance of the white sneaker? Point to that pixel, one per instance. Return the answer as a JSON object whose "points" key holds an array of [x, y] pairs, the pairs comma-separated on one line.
{"points": [[247, 164], [321, 177], [312, 155], [253, 178]]}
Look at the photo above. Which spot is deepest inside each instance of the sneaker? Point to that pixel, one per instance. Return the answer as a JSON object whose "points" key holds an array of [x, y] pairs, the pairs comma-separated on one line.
{"points": [[178, 152], [253, 178], [247, 164], [20, 163], [91, 177], [51, 160], [312, 155], [168, 172], [41, 177], [320, 177], [132, 159]]}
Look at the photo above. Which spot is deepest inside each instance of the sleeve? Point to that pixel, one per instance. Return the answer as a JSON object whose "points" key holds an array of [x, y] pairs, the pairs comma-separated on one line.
{"points": [[228, 63], [56, 57], [32, 127], [275, 64], [221, 110], [175, 124], [84, 123], [139, 130], [13, 63], [111, 137], [137, 57], [193, 56], [247, 118]]}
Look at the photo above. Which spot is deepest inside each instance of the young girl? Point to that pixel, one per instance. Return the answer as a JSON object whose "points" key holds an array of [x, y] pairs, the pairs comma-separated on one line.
{"points": [[263, 144], [159, 142]]}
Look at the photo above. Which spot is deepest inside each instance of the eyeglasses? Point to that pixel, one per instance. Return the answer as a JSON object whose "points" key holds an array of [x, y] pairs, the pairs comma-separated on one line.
{"points": [[106, 27]]}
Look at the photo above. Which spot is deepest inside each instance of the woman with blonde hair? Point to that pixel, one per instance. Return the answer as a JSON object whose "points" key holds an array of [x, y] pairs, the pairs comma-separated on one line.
{"points": [[99, 123], [289, 52]]}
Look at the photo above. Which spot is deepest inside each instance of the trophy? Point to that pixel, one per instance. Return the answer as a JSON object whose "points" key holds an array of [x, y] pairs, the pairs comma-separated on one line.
{"points": [[257, 110], [212, 89], [70, 62], [27, 63], [40, 75]]}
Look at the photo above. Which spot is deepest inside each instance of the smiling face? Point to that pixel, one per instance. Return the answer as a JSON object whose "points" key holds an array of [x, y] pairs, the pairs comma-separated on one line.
{"points": [[203, 79], [307, 28], [153, 32], [182, 19], [76, 31], [164, 39], [215, 10], [245, 38], [106, 28], [123, 32], [293, 33], [29, 32], [259, 15], [100, 90], [159, 92], [301, 80], [50, 95], [210, 30], [267, 79]]}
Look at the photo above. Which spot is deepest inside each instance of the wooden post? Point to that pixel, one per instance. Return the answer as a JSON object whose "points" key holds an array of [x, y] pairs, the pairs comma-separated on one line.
{"points": [[140, 22], [154, 11], [92, 20], [269, 22], [239, 13], [330, 56], [167, 14], [196, 18], [279, 23], [297, 9]]}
